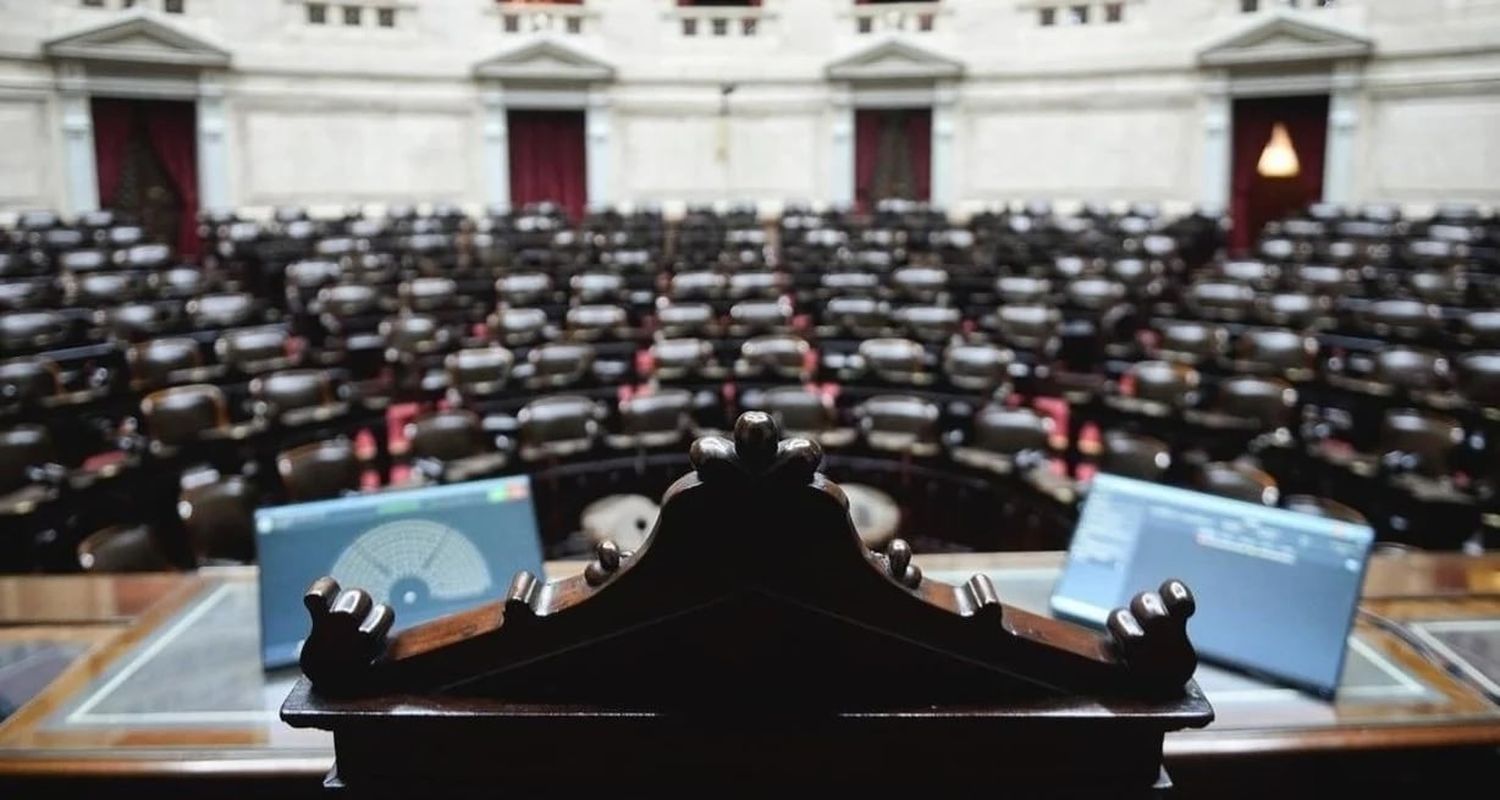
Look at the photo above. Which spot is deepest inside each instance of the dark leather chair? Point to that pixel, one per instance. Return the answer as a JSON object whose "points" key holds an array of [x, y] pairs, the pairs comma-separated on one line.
{"points": [[453, 446], [253, 351], [124, 548], [219, 518], [479, 372], [663, 418], [777, 357], [684, 359], [1022, 290], [980, 368], [1239, 481], [802, 412], [29, 331], [901, 424], [1223, 301], [519, 327], [558, 426], [899, 361], [591, 323], [319, 470], [187, 415], [223, 310], [929, 323], [1005, 440], [760, 317], [698, 286], [296, 397], [1134, 455], [858, 317], [166, 362], [524, 288], [687, 320], [1030, 328], [558, 365], [1190, 342]]}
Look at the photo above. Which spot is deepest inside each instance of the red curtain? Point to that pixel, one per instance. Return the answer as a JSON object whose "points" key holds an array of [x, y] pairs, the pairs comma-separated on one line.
{"points": [[872, 128], [548, 160], [919, 151], [1256, 200], [866, 154], [173, 130], [112, 127]]}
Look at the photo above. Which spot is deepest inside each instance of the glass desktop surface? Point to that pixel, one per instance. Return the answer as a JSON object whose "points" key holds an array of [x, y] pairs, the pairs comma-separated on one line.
{"points": [[1276, 590], [425, 552]]}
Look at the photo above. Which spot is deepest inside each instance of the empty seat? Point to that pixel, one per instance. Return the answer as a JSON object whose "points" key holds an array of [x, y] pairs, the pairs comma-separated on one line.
{"points": [[559, 364], [479, 371], [802, 412], [900, 361], [453, 446], [161, 362], [662, 418], [319, 470], [1276, 350], [32, 330], [222, 310], [219, 518], [1173, 385], [755, 317], [429, 294], [558, 426], [296, 396], [1479, 377], [1269, 402], [979, 368], [1239, 481], [182, 414], [1022, 290], [929, 323], [1029, 328], [1133, 455], [1418, 441], [858, 317], [777, 357], [1191, 342], [125, 548], [519, 327], [251, 351], [685, 320], [1220, 300], [1003, 439], [900, 424], [593, 322], [524, 288], [682, 359]]}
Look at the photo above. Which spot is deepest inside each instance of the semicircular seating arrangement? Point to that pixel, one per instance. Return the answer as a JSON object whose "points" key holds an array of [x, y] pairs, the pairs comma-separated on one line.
{"points": [[978, 371]]}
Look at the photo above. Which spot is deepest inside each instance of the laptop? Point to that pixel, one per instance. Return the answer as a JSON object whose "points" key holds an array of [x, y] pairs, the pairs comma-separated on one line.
{"points": [[424, 552], [1276, 590]]}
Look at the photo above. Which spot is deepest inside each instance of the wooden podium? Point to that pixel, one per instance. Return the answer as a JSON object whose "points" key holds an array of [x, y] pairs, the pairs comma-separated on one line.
{"points": [[752, 644]]}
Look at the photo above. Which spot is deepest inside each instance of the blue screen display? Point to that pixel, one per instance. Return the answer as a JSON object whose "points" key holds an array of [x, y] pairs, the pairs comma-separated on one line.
{"points": [[424, 552], [1276, 589]]}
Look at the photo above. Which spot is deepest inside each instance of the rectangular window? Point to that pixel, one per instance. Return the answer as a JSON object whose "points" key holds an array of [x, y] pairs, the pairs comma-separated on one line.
{"points": [[721, 27], [512, 23], [351, 15], [174, 6], [690, 27], [575, 25], [1078, 15], [1114, 12], [866, 24], [1048, 17], [317, 13], [1249, 6], [748, 25], [385, 17], [94, 3], [924, 22]]}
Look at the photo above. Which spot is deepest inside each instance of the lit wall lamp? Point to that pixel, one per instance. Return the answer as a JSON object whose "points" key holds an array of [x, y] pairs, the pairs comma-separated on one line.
{"points": [[1279, 158]]}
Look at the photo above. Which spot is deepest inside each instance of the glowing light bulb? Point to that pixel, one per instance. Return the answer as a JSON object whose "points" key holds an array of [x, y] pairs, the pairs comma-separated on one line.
{"points": [[1279, 158]]}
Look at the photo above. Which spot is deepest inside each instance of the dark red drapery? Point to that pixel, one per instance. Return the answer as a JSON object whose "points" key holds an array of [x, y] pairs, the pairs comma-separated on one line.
{"points": [[875, 129], [548, 160], [170, 129], [174, 138], [919, 150], [1256, 200], [112, 126]]}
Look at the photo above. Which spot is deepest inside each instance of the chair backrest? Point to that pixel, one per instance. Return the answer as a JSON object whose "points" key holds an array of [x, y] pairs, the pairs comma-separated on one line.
{"points": [[446, 435], [1427, 440], [1009, 431], [1268, 401], [662, 411], [479, 371], [1322, 507], [977, 367], [798, 409], [1164, 382], [782, 355], [178, 415], [28, 380], [1479, 377], [252, 350], [153, 363], [125, 548], [23, 447], [559, 424], [277, 393], [219, 517], [1239, 481], [319, 470], [1134, 455]]}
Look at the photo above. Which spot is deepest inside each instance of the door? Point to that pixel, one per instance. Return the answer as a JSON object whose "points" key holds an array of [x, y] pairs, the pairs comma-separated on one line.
{"points": [[892, 155], [146, 163], [1278, 161], [548, 159]]}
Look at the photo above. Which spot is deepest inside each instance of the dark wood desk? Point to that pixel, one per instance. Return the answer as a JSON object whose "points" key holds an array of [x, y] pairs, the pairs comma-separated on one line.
{"points": [[169, 691]]}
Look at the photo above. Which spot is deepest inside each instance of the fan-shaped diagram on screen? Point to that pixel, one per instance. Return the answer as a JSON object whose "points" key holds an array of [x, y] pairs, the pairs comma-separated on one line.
{"points": [[406, 562]]}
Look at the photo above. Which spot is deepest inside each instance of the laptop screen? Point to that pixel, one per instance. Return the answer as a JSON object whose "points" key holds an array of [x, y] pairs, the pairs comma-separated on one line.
{"points": [[425, 552], [1276, 589]]}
